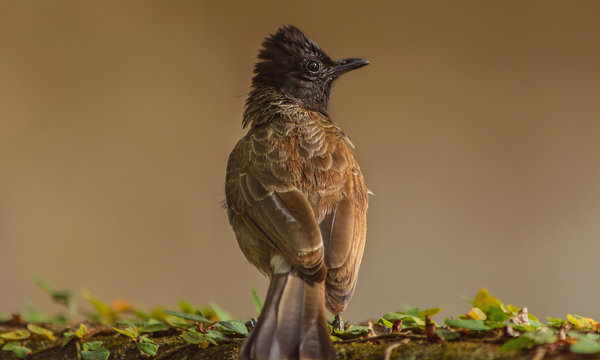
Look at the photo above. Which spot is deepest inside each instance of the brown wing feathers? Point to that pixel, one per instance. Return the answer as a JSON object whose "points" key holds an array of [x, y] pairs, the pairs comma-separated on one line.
{"points": [[277, 198]]}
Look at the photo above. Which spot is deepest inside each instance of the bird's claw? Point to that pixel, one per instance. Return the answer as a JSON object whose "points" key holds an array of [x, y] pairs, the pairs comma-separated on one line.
{"points": [[338, 323]]}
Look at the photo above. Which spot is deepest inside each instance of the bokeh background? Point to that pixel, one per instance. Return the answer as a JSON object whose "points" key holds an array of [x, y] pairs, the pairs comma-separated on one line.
{"points": [[477, 126]]}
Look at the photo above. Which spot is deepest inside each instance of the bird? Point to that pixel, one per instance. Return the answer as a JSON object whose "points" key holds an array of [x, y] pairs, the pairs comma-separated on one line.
{"points": [[296, 198]]}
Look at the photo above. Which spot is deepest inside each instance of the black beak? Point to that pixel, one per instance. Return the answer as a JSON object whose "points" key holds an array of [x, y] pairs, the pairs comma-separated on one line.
{"points": [[345, 65]]}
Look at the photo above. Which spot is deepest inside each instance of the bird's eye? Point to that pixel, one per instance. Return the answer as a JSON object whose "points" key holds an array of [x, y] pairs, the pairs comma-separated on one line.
{"points": [[313, 66]]}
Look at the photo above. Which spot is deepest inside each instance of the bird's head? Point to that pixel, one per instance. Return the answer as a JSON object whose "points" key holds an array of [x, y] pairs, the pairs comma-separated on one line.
{"points": [[295, 66]]}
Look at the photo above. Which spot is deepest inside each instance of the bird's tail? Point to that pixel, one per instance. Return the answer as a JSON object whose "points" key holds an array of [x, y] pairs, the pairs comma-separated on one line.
{"points": [[292, 324]]}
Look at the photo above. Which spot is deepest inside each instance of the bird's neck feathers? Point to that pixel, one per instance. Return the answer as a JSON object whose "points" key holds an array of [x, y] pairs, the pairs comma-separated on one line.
{"points": [[266, 103]]}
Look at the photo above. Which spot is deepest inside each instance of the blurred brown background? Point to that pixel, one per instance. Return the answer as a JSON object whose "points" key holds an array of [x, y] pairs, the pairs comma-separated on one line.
{"points": [[477, 126]]}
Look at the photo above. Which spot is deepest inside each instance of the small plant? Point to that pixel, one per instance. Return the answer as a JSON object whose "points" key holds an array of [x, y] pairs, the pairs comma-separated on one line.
{"points": [[512, 327]]}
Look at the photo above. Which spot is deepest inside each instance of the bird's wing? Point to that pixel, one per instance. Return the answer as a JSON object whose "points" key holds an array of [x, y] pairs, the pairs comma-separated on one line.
{"points": [[344, 232], [286, 221], [261, 193]]}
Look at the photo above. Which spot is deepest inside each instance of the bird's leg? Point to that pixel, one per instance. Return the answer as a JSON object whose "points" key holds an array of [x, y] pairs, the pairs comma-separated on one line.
{"points": [[338, 323]]}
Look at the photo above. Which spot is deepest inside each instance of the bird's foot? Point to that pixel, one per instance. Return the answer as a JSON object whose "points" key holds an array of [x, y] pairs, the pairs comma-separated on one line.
{"points": [[338, 323]]}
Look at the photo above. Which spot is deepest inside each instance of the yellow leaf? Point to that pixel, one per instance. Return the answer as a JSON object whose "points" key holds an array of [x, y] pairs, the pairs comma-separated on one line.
{"points": [[477, 314], [176, 321], [15, 335], [82, 331], [483, 300], [582, 323], [106, 314], [430, 312], [575, 321], [41, 331], [158, 313], [129, 332]]}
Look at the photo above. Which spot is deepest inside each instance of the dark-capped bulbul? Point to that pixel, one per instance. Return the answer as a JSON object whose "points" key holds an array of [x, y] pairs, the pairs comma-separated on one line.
{"points": [[296, 198]]}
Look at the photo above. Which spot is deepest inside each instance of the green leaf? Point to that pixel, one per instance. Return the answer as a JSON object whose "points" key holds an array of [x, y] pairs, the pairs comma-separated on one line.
{"points": [[221, 314], [38, 330], [92, 345], [21, 352], [211, 340], [236, 326], [141, 314], [556, 323], [496, 314], [214, 335], [536, 324], [63, 297], [176, 321], [258, 305], [153, 325], [413, 312], [10, 345], [335, 338], [67, 337], [407, 320], [193, 317], [17, 349], [44, 285], [186, 307], [33, 314], [516, 344], [15, 335], [383, 321], [148, 348], [193, 337], [495, 324], [447, 334], [94, 350], [523, 328], [543, 335], [467, 299], [391, 317], [593, 336], [470, 324], [129, 323], [145, 338], [357, 330], [585, 345]]}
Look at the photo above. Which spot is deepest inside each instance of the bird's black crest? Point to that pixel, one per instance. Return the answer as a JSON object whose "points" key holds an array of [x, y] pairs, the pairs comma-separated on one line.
{"points": [[296, 67], [282, 65], [289, 41]]}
